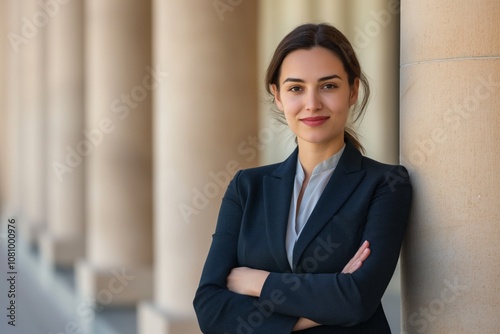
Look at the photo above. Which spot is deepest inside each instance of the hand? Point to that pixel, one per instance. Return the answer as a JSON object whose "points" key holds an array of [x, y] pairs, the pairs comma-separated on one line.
{"points": [[354, 264], [357, 261], [304, 323], [246, 281]]}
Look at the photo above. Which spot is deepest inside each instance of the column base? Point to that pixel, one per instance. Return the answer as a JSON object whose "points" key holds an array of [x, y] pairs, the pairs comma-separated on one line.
{"points": [[60, 252], [114, 286], [153, 319], [29, 232]]}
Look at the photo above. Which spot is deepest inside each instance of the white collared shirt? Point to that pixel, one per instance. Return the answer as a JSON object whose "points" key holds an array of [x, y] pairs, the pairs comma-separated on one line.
{"points": [[317, 183]]}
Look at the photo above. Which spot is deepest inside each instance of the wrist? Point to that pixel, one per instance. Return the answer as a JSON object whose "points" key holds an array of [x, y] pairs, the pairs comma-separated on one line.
{"points": [[259, 282]]}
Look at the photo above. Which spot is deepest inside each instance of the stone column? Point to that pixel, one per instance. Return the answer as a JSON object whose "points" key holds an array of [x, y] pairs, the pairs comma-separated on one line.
{"points": [[3, 110], [450, 98], [31, 51], [117, 152], [63, 241], [11, 201], [374, 34], [333, 12], [206, 116]]}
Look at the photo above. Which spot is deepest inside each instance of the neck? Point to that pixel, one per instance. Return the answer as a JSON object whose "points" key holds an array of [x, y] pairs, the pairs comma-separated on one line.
{"points": [[310, 155]]}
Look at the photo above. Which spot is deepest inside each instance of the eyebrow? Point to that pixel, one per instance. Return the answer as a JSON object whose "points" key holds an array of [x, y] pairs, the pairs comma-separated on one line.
{"points": [[333, 76]]}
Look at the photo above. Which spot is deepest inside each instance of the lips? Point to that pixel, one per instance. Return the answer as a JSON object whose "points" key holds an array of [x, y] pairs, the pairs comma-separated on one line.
{"points": [[314, 121]]}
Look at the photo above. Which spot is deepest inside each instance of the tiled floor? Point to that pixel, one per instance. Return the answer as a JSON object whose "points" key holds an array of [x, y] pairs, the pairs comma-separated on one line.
{"points": [[46, 302]]}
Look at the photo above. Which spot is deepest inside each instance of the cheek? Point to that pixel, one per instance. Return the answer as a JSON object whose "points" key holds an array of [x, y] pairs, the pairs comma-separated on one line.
{"points": [[291, 105], [289, 117], [339, 105]]}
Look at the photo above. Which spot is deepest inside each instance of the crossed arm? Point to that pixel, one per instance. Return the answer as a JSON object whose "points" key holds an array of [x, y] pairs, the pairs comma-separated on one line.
{"points": [[247, 281], [229, 295]]}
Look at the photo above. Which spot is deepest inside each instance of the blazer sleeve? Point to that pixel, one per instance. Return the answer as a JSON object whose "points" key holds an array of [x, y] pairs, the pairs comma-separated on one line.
{"points": [[219, 310], [349, 299]]}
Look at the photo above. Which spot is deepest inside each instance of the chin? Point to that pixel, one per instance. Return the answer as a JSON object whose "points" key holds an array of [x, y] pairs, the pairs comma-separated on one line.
{"points": [[322, 140]]}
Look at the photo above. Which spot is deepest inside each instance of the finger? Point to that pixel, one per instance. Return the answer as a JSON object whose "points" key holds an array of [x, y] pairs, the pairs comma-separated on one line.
{"points": [[352, 268], [356, 263], [361, 260], [348, 265], [360, 251], [364, 255]]}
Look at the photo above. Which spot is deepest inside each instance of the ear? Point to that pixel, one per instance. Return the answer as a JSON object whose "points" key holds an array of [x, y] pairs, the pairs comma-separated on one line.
{"points": [[277, 97], [354, 92]]}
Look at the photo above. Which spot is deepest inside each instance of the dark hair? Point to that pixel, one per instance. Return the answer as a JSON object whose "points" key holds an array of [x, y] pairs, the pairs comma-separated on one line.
{"points": [[307, 36]]}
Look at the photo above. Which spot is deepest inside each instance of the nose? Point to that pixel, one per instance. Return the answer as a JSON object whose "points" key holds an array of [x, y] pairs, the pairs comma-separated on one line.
{"points": [[313, 101]]}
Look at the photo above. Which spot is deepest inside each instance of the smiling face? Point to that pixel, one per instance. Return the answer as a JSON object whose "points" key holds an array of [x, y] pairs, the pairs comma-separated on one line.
{"points": [[315, 95]]}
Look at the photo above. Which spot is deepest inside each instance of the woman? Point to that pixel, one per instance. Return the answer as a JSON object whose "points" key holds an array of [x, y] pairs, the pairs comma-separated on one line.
{"points": [[310, 244]]}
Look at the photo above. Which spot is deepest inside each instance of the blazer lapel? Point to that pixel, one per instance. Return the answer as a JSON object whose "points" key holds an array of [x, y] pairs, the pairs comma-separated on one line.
{"points": [[344, 180], [278, 189]]}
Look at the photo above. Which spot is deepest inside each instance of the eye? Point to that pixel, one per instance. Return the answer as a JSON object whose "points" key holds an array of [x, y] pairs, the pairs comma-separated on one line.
{"points": [[330, 86], [294, 89]]}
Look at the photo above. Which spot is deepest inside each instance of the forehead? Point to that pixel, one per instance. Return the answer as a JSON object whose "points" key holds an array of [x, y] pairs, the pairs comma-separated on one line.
{"points": [[315, 62]]}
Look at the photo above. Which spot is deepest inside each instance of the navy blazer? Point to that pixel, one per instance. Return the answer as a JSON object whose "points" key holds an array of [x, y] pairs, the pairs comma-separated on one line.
{"points": [[363, 200]]}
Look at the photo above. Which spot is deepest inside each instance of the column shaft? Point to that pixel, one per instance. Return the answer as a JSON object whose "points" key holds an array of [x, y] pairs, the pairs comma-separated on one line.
{"points": [[11, 206], [204, 115], [3, 109], [118, 151], [374, 34], [32, 119], [450, 82], [63, 241]]}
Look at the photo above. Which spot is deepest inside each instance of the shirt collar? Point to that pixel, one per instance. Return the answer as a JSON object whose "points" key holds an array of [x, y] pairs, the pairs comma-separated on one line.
{"points": [[324, 166]]}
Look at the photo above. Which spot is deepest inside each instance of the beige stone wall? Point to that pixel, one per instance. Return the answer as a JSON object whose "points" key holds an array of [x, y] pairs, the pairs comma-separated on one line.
{"points": [[450, 85]]}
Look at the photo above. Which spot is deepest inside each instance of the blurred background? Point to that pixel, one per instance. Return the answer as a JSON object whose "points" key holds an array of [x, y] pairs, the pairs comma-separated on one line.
{"points": [[122, 122]]}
